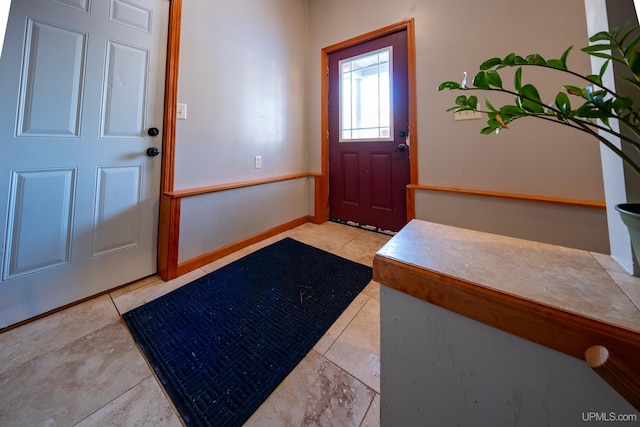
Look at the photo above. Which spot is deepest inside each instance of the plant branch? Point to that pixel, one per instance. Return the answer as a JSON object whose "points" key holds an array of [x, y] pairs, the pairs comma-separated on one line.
{"points": [[554, 117], [577, 123], [600, 104]]}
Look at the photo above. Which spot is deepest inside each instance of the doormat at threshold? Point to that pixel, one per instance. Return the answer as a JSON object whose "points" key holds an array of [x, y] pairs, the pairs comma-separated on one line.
{"points": [[221, 344]]}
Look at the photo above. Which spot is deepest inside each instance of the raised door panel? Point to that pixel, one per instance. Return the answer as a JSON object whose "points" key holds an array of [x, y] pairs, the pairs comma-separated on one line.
{"points": [[82, 5], [52, 80], [131, 14], [117, 210], [40, 220], [125, 90], [380, 181], [350, 183]]}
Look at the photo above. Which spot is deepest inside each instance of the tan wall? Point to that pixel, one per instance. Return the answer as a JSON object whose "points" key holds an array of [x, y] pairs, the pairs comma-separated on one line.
{"points": [[243, 77]]}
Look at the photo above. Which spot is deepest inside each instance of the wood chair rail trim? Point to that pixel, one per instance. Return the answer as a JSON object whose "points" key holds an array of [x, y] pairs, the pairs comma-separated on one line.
{"points": [[513, 196]]}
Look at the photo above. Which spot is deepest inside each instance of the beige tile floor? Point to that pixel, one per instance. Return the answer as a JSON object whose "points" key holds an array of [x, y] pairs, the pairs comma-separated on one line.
{"points": [[80, 366]]}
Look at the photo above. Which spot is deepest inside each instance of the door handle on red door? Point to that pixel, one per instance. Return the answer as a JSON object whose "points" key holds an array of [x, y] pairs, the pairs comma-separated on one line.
{"points": [[402, 148]]}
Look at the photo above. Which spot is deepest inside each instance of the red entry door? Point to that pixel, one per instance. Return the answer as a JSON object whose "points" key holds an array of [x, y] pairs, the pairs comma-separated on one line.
{"points": [[368, 133]]}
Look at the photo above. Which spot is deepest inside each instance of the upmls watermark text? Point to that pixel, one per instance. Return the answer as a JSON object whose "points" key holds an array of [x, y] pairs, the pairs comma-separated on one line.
{"points": [[608, 416]]}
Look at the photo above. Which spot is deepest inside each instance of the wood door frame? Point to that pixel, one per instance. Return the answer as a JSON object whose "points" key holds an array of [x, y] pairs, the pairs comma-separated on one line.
{"points": [[322, 182], [169, 212]]}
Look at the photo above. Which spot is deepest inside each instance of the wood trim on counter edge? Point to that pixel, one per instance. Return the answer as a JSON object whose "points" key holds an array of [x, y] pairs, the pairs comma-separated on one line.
{"points": [[560, 330], [512, 196]]}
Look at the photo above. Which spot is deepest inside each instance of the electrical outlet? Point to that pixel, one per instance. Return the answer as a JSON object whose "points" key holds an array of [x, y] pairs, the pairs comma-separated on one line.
{"points": [[257, 162], [181, 112], [467, 115]]}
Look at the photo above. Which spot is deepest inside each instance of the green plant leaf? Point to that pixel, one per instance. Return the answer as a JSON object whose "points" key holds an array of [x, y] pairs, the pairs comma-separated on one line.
{"points": [[593, 113], [461, 100], [627, 34], [519, 60], [517, 79], [564, 57], [490, 63], [599, 47], [535, 59], [530, 91], [583, 110], [489, 105], [555, 63], [493, 123], [511, 110], [602, 35], [631, 47], [595, 79], [509, 60], [532, 107], [575, 90], [449, 85], [603, 69], [563, 103], [621, 104], [619, 28], [493, 78], [472, 102], [487, 131], [531, 99], [634, 63], [480, 80], [607, 56]]}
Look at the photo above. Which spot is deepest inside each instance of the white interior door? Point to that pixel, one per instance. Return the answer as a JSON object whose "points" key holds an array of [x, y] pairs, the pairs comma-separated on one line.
{"points": [[82, 82]]}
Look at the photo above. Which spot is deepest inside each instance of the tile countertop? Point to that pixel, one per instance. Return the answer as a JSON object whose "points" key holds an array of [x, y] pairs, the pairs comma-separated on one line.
{"points": [[589, 285]]}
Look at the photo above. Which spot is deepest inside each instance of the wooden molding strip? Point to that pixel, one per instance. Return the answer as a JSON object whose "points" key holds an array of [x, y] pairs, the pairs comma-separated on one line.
{"points": [[192, 264], [171, 95], [558, 329], [321, 200], [234, 185], [169, 215], [615, 372], [168, 237], [524, 197]]}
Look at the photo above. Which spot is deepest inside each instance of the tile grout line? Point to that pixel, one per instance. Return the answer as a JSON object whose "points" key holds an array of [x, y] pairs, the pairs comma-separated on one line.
{"points": [[347, 325]]}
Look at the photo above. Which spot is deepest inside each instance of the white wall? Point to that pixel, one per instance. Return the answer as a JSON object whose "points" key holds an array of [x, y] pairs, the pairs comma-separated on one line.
{"points": [[243, 77], [440, 368], [532, 157]]}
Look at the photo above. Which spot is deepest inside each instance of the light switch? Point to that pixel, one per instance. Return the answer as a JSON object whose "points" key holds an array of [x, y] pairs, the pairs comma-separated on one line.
{"points": [[181, 112], [257, 162]]}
